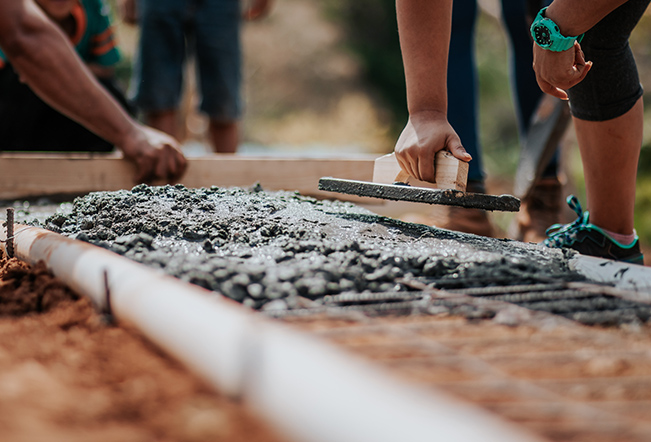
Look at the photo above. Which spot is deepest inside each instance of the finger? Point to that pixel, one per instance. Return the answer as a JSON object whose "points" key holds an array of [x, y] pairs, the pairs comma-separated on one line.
{"points": [[177, 166], [456, 148], [143, 170], [404, 164], [552, 90], [586, 68], [161, 167], [410, 165], [579, 56], [559, 93], [426, 168], [577, 76], [172, 168], [255, 11], [183, 165]]}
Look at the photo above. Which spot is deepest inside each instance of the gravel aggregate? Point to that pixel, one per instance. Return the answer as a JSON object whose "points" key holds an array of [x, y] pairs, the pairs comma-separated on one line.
{"points": [[256, 246]]}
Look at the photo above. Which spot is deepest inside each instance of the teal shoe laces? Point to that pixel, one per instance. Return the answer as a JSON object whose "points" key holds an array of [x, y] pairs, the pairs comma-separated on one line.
{"points": [[562, 235]]}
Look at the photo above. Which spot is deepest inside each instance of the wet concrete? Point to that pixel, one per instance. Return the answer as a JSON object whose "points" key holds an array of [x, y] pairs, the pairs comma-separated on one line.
{"points": [[256, 246]]}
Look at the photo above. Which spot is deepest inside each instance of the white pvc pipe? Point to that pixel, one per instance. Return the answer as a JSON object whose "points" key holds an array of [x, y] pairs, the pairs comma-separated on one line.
{"points": [[309, 389], [622, 275]]}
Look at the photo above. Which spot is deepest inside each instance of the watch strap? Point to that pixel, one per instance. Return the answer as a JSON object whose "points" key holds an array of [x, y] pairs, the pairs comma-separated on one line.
{"points": [[559, 42]]}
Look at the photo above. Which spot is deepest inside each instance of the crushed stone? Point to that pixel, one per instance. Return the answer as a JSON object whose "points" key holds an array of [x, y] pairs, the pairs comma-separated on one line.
{"points": [[257, 247]]}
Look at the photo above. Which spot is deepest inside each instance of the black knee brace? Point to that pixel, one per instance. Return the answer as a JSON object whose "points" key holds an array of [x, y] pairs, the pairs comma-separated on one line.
{"points": [[612, 87]]}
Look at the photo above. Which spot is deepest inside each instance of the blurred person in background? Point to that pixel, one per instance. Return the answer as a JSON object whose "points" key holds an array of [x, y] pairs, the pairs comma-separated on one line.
{"points": [[42, 57], [170, 32]]}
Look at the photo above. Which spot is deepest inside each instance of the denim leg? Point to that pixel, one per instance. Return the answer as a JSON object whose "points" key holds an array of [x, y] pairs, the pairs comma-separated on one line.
{"points": [[160, 57], [462, 83], [526, 90], [219, 60]]}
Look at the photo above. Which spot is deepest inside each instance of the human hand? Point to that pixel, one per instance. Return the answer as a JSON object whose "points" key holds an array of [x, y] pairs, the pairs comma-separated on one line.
{"points": [[256, 9], [556, 72], [425, 134], [128, 11], [157, 156]]}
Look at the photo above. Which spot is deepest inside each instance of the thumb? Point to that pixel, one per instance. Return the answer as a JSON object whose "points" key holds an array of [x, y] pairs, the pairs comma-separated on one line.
{"points": [[456, 148], [552, 90], [583, 70]]}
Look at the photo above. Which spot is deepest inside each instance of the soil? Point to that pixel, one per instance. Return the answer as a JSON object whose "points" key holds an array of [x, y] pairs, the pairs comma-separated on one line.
{"points": [[557, 378], [66, 374]]}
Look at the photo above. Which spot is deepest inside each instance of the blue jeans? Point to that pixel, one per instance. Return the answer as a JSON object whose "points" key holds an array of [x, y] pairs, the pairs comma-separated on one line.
{"points": [[462, 76], [173, 30]]}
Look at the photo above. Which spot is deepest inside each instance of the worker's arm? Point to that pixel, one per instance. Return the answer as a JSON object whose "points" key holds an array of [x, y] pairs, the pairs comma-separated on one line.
{"points": [[424, 27], [556, 72], [46, 61], [101, 71], [574, 17]]}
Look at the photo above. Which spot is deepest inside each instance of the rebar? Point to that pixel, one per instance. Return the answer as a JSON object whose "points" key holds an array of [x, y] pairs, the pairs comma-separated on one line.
{"points": [[602, 303], [10, 232], [502, 290], [553, 295], [107, 311], [372, 297]]}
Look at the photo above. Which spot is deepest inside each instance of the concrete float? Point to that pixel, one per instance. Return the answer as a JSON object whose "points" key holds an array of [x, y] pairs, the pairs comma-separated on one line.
{"points": [[307, 388]]}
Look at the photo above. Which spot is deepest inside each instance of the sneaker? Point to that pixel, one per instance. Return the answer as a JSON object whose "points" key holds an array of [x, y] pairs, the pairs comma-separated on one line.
{"points": [[589, 239], [541, 209], [459, 219]]}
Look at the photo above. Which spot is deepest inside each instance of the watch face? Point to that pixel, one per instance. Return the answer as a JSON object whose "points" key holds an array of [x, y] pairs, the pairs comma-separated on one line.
{"points": [[542, 36]]}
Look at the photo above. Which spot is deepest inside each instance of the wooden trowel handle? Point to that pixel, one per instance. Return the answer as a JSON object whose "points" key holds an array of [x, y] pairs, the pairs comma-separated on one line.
{"points": [[451, 173]]}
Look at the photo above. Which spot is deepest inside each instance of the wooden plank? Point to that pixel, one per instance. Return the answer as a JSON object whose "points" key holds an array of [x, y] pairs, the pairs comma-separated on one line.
{"points": [[451, 173], [24, 175]]}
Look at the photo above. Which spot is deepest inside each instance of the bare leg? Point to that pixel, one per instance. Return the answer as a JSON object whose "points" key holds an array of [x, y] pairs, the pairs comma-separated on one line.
{"points": [[610, 151], [165, 121], [224, 136]]}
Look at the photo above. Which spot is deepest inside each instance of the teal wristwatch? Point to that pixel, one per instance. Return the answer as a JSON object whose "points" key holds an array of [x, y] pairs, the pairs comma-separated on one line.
{"points": [[547, 34]]}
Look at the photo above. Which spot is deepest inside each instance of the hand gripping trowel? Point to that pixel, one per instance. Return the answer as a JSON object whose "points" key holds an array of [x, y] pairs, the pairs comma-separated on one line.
{"points": [[392, 183]]}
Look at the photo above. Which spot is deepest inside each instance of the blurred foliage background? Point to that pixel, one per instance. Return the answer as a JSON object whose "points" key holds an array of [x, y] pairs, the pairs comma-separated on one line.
{"points": [[326, 77]]}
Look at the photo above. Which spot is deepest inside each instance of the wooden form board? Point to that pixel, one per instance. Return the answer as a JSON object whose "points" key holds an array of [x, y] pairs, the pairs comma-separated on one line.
{"points": [[25, 175]]}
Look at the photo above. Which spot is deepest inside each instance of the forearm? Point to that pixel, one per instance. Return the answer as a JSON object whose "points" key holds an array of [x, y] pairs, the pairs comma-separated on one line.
{"points": [[574, 17], [424, 28], [46, 61], [100, 71]]}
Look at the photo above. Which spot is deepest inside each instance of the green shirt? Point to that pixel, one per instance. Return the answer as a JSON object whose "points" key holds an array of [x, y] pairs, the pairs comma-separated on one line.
{"points": [[94, 38]]}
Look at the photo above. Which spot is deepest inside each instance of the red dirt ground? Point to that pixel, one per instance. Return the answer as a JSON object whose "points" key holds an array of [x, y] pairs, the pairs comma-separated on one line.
{"points": [[561, 380], [67, 376]]}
